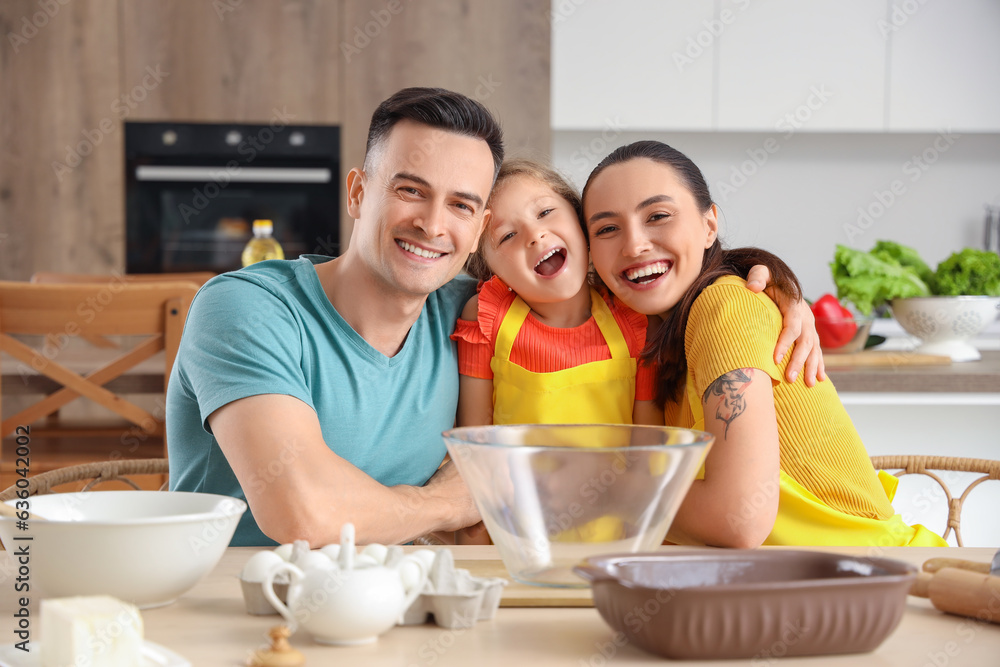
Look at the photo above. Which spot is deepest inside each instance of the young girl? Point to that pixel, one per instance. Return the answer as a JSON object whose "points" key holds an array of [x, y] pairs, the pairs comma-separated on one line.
{"points": [[787, 466], [538, 344]]}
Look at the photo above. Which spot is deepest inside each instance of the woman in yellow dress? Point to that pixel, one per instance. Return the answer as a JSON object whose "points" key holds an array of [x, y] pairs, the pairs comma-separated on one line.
{"points": [[787, 466]]}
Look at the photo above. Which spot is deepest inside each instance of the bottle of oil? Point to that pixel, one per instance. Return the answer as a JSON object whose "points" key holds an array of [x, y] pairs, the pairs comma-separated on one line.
{"points": [[262, 246]]}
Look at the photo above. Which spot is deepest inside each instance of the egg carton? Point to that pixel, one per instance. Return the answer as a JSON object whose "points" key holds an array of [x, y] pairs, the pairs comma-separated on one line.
{"points": [[453, 597]]}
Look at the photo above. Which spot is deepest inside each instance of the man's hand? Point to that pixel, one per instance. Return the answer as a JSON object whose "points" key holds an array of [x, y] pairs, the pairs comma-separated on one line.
{"points": [[448, 486], [798, 328]]}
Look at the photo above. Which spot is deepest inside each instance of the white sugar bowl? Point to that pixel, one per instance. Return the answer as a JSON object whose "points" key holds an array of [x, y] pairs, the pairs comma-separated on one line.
{"points": [[345, 604]]}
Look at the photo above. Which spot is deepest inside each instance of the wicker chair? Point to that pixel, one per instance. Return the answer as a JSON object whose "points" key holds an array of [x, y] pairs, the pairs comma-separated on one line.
{"points": [[97, 473], [925, 465]]}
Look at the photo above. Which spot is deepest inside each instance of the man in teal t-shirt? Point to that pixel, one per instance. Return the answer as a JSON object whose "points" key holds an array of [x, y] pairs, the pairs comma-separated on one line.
{"points": [[318, 388]]}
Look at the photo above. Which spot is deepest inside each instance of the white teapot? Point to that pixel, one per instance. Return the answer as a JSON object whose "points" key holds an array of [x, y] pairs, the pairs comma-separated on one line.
{"points": [[344, 604]]}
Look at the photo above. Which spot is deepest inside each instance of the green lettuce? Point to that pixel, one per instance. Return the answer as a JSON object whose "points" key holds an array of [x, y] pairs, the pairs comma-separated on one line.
{"points": [[896, 253], [968, 272], [868, 281]]}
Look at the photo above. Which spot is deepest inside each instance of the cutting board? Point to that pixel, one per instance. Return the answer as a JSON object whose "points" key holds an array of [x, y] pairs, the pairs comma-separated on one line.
{"points": [[516, 594], [884, 358]]}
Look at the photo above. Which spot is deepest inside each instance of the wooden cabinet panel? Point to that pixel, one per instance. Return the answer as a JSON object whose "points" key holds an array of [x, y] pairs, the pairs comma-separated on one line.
{"points": [[496, 52], [61, 155], [234, 60]]}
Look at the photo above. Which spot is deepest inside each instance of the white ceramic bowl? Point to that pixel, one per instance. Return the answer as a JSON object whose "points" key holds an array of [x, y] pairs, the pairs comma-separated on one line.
{"points": [[144, 547], [946, 324]]}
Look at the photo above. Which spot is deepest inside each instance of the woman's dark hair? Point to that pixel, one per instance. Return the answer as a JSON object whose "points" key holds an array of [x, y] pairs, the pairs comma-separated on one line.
{"points": [[438, 108], [665, 348]]}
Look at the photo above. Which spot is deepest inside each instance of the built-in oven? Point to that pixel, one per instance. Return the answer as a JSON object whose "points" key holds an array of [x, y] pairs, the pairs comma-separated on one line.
{"points": [[193, 191]]}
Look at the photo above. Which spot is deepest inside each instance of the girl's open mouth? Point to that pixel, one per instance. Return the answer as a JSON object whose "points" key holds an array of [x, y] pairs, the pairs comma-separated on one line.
{"points": [[551, 262], [648, 273]]}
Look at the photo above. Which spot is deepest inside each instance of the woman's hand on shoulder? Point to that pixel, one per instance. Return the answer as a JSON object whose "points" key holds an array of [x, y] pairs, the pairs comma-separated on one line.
{"points": [[798, 328]]}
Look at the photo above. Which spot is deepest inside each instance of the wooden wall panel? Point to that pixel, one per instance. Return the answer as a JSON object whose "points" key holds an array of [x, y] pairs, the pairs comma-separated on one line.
{"points": [[235, 60], [497, 52], [61, 144]]}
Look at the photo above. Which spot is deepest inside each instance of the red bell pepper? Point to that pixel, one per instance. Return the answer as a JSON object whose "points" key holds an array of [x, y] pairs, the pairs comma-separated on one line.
{"points": [[834, 323]]}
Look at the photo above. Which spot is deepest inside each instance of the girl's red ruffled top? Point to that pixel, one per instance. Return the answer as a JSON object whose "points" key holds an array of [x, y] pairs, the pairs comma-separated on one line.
{"points": [[544, 349]]}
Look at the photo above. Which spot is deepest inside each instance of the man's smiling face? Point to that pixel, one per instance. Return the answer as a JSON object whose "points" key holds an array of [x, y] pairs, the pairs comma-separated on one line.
{"points": [[420, 206]]}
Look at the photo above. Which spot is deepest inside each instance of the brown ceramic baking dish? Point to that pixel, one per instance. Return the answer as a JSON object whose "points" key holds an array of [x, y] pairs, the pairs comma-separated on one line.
{"points": [[714, 603]]}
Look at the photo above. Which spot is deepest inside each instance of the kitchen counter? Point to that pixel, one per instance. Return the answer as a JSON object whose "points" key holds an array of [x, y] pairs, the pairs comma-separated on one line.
{"points": [[208, 626], [967, 377]]}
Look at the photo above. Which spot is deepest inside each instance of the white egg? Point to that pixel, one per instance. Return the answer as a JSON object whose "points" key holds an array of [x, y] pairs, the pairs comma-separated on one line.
{"points": [[284, 551], [259, 565], [376, 551], [365, 560], [313, 560], [332, 551], [425, 556], [411, 574]]}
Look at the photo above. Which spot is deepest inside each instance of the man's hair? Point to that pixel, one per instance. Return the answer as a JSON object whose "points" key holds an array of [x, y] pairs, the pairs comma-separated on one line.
{"points": [[435, 107]]}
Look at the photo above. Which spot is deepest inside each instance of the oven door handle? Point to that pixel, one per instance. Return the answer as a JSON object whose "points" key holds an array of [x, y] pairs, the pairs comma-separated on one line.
{"points": [[234, 175]]}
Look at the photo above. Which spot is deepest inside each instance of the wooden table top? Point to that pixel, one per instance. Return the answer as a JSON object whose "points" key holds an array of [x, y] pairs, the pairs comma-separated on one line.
{"points": [[209, 626]]}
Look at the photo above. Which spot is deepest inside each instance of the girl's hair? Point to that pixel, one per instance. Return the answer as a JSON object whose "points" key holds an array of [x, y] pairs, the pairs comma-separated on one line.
{"points": [[476, 264], [665, 348]]}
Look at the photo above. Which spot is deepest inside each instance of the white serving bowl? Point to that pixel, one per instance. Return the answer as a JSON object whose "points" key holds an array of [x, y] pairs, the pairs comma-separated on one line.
{"points": [[945, 324], [144, 547]]}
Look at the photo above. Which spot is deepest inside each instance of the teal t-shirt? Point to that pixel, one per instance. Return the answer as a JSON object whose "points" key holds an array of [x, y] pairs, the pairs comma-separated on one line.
{"points": [[270, 329]]}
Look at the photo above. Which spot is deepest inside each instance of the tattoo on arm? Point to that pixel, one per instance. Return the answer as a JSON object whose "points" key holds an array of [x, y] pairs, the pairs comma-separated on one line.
{"points": [[730, 388]]}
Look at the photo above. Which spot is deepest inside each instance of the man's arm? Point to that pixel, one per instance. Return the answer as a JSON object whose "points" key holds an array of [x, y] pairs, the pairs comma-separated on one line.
{"points": [[298, 489]]}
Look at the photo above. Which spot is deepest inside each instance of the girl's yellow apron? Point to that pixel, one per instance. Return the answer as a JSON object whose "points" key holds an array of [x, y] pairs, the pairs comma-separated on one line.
{"points": [[598, 392], [804, 519]]}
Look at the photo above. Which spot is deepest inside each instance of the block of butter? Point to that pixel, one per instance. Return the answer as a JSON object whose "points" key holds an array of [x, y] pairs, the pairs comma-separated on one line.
{"points": [[99, 630]]}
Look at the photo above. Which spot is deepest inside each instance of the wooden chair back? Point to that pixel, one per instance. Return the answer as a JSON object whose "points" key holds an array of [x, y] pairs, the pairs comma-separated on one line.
{"points": [[199, 278], [926, 465], [60, 312]]}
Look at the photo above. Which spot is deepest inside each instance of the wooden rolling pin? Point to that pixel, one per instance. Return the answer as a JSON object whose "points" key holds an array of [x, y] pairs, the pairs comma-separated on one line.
{"points": [[961, 592], [935, 564]]}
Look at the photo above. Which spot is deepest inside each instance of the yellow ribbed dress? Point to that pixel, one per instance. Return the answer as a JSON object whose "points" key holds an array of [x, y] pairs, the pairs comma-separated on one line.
{"points": [[829, 492]]}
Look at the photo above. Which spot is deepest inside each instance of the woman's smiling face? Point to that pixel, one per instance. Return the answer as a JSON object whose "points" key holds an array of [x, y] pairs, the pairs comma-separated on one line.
{"points": [[647, 234], [534, 242]]}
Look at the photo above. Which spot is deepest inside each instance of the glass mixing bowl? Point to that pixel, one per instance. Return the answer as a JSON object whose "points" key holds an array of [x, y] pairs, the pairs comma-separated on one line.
{"points": [[554, 494]]}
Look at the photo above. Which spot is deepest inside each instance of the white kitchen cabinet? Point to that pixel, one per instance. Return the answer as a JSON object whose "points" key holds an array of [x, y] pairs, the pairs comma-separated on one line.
{"points": [[780, 65], [944, 66], [632, 65], [786, 65]]}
